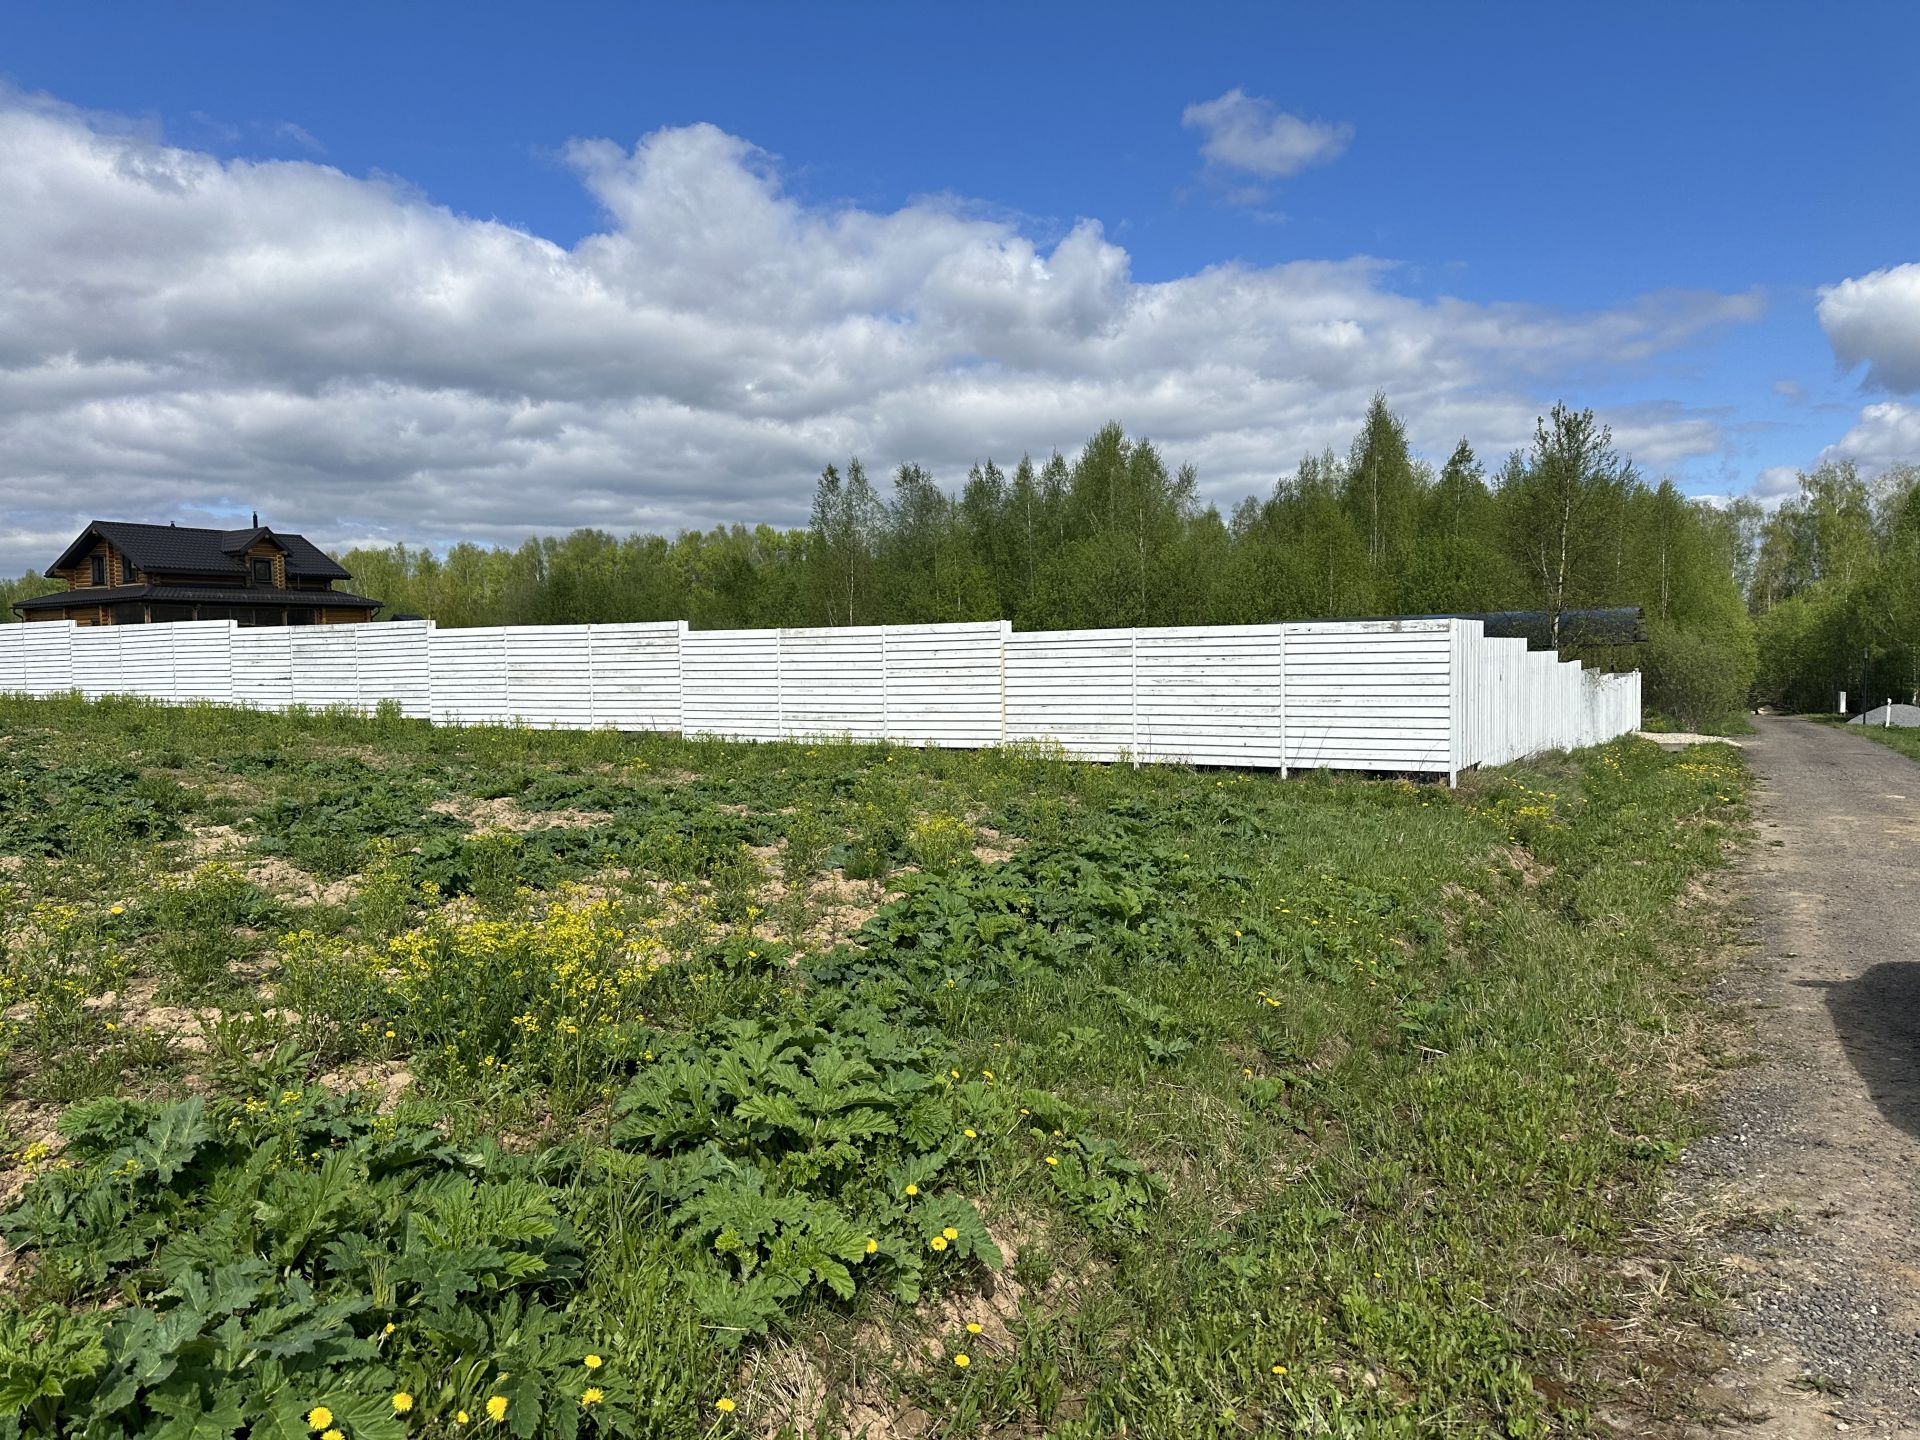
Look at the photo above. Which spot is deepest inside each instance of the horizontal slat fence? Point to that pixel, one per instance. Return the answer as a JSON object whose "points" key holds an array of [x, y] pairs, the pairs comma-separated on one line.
{"points": [[1423, 696]]}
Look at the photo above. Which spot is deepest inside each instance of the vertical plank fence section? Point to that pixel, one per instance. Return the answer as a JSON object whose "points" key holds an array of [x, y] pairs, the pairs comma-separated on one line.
{"points": [[1425, 696]]}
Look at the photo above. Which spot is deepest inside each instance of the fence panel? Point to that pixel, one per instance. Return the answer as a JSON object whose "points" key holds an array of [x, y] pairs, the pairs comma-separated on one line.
{"points": [[13, 658], [833, 683], [47, 661], [391, 665], [325, 666], [549, 676], [262, 667], [946, 684], [1210, 695], [202, 660], [467, 676], [635, 671], [1370, 695], [731, 683], [1074, 688], [94, 661]]}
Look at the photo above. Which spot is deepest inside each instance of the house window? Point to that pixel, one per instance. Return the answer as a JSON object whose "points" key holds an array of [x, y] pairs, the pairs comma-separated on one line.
{"points": [[263, 572], [99, 576], [300, 617]]}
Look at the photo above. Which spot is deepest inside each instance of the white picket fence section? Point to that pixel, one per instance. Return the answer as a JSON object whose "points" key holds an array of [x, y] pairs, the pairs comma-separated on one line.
{"points": [[1422, 696]]}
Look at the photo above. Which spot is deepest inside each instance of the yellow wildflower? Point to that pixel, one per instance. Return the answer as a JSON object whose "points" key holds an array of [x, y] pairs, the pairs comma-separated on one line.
{"points": [[973, 1327], [872, 1245], [592, 1395], [962, 1361], [1053, 1159], [723, 1405], [593, 1362], [333, 1435], [938, 1242], [951, 1233], [969, 1134], [496, 1407], [402, 1402], [1279, 1369], [460, 1417], [319, 1418], [913, 1189]]}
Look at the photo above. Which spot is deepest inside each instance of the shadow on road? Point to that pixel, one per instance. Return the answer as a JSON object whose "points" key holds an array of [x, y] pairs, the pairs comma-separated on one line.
{"points": [[1877, 1015]]}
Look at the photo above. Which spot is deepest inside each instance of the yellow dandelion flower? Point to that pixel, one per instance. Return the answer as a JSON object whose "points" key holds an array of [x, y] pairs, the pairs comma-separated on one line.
{"points": [[872, 1245], [1279, 1369], [333, 1435], [592, 1395], [387, 1329], [951, 1233], [1053, 1159], [973, 1327], [319, 1418], [496, 1407], [402, 1402], [460, 1417], [593, 1362], [962, 1361], [723, 1405], [913, 1189], [938, 1242], [969, 1134]]}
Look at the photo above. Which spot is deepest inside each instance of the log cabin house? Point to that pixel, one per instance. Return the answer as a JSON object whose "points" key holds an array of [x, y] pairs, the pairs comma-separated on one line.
{"points": [[119, 573]]}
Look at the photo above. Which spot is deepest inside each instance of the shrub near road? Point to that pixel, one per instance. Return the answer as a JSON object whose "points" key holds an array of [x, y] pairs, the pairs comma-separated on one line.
{"points": [[389, 1081]]}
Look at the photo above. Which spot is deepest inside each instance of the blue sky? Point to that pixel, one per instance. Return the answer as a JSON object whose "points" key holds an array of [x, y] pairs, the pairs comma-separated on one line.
{"points": [[1637, 212]]}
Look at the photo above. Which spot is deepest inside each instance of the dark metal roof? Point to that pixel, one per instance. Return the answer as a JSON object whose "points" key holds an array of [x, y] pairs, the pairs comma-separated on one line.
{"points": [[245, 595], [190, 550], [1619, 625]]}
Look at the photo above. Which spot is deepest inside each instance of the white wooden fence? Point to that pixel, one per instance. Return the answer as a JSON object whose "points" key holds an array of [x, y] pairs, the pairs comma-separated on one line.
{"points": [[1426, 696]]}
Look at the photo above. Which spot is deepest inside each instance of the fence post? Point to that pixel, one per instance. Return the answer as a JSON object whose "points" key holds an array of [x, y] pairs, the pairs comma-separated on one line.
{"points": [[1133, 694], [1282, 718]]}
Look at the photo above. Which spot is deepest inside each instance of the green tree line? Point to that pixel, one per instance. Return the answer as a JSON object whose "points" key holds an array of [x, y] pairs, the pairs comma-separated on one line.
{"points": [[1118, 535], [1833, 579]]}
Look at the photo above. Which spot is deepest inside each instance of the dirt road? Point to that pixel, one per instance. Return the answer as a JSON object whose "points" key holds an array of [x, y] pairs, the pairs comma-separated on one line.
{"points": [[1818, 1165]]}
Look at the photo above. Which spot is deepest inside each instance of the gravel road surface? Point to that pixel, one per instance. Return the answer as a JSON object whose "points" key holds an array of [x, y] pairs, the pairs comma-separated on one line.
{"points": [[1819, 1148]]}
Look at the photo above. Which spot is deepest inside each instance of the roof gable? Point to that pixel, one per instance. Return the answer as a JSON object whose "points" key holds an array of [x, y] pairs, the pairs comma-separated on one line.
{"points": [[192, 550]]}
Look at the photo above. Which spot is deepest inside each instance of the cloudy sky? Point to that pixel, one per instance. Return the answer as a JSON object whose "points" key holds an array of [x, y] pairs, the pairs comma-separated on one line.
{"points": [[418, 273]]}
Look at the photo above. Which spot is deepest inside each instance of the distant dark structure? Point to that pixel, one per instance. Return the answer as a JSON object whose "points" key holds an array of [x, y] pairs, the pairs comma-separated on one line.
{"points": [[124, 574], [1619, 625]]}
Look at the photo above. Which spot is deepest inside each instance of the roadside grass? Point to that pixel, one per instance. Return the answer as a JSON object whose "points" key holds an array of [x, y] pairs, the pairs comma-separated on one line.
{"points": [[562, 1082]]}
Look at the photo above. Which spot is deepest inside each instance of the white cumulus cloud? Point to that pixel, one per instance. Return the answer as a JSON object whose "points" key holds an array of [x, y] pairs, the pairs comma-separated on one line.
{"points": [[188, 337], [1874, 320], [1245, 133]]}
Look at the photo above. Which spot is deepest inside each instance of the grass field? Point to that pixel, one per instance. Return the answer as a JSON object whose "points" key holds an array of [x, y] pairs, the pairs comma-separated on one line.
{"points": [[371, 1080]]}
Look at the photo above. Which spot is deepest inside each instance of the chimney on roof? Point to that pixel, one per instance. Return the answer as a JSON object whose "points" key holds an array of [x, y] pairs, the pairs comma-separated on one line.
{"points": [[256, 519]]}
